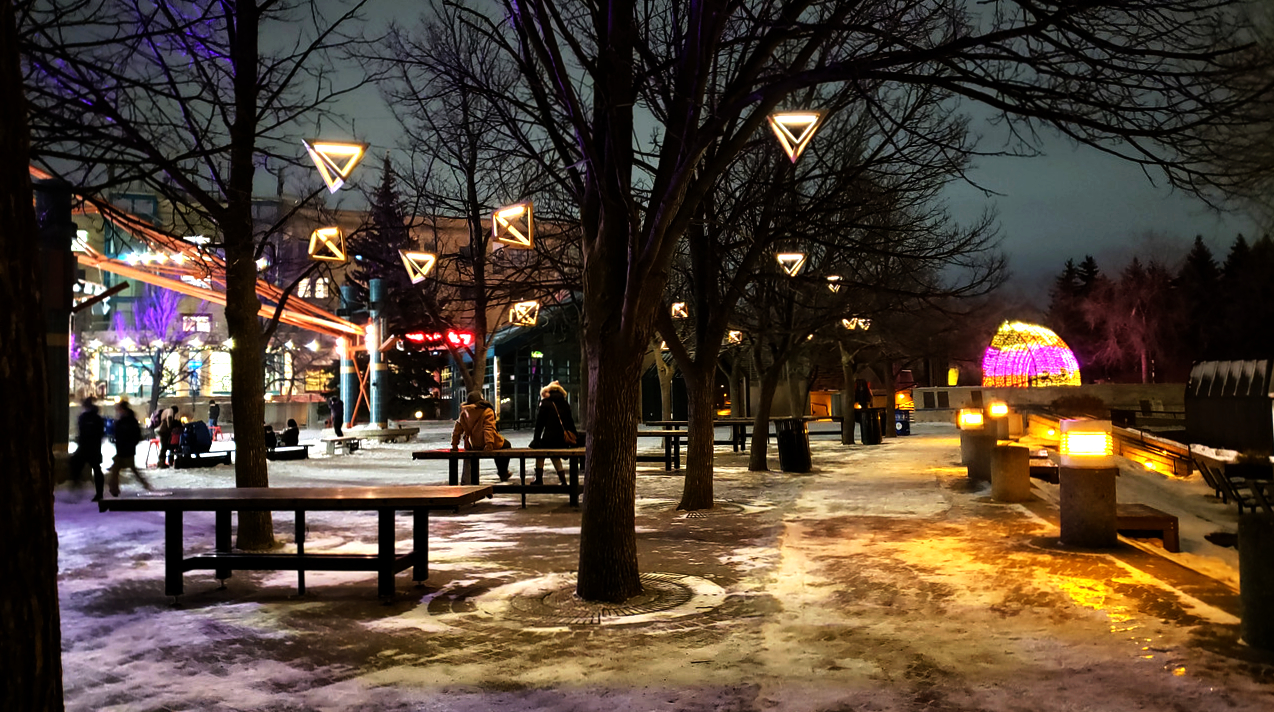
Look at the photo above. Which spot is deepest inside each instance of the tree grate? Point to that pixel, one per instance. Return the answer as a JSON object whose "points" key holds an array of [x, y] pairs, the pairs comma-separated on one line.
{"points": [[558, 606]]}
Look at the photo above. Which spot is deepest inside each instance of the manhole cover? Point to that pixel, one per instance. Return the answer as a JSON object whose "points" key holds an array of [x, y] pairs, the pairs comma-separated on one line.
{"points": [[550, 601]]}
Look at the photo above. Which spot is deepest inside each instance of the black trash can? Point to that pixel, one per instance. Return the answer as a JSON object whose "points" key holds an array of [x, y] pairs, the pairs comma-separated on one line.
{"points": [[873, 425], [794, 445], [902, 422]]}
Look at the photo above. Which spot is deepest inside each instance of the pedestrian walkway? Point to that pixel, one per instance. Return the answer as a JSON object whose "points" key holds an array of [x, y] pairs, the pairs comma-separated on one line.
{"points": [[880, 581]]}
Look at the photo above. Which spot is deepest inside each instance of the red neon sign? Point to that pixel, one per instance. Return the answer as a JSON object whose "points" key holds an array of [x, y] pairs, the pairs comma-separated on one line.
{"points": [[438, 340]]}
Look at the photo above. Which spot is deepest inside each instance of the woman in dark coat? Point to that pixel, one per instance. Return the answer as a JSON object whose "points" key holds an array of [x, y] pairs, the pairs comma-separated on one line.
{"points": [[552, 425]]}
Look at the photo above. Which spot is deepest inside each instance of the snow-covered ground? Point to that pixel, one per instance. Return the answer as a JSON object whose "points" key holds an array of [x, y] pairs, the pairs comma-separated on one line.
{"points": [[879, 581]]}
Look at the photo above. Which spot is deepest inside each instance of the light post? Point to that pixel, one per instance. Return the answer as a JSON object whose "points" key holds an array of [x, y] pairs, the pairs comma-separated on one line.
{"points": [[1087, 478]]}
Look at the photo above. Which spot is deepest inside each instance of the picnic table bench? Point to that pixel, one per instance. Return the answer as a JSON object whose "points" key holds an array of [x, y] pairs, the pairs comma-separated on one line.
{"points": [[1141, 518], [348, 443], [211, 458], [738, 439], [672, 448], [300, 451], [419, 499], [573, 455]]}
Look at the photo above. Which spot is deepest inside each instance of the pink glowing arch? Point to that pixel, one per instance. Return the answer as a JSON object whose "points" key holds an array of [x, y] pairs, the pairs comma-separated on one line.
{"points": [[1028, 355]]}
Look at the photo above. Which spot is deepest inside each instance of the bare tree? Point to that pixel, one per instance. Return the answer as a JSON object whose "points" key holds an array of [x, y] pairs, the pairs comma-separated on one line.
{"points": [[189, 100], [30, 627]]}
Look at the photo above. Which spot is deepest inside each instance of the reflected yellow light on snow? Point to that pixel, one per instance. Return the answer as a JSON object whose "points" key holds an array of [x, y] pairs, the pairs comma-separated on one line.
{"points": [[1098, 596], [1178, 672]]}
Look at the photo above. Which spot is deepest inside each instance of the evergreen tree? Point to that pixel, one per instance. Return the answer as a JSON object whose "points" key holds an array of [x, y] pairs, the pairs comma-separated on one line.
{"points": [[1198, 285]]}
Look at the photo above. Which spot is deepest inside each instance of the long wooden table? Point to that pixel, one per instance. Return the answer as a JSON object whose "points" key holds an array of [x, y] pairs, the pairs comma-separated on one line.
{"points": [[672, 448], [573, 455], [385, 501]]}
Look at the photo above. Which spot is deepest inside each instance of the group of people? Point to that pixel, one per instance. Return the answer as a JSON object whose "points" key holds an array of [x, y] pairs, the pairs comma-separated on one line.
{"points": [[290, 437], [554, 428], [91, 428]]}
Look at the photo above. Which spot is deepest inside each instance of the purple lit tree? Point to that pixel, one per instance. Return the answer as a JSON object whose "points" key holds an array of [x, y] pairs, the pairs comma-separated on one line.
{"points": [[155, 326]]}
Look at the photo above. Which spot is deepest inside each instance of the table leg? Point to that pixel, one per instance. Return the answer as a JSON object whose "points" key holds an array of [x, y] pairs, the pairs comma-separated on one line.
{"points": [[223, 543], [173, 556], [522, 478], [668, 454], [676, 451], [300, 553], [453, 471], [385, 553], [420, 545], [574, 467]]}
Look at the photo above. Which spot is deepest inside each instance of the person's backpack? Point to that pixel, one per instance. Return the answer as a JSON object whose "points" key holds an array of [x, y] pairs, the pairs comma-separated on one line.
{"points": [[200, 436]]}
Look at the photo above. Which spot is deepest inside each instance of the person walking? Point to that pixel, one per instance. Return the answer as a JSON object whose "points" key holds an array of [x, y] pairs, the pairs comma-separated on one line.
{"points": [[337, 406], [476, 427], [128, 432], [88, 446], [214, 413], [554, 428]]}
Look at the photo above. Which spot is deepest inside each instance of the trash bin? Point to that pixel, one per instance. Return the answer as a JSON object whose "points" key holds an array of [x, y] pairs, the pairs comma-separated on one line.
{"points": [[902, 422], [794, 445], [873, 420]]}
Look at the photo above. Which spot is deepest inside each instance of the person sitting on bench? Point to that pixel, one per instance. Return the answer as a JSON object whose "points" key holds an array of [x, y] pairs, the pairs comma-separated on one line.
{"points": [[291, 436], [271, 440], [477, 427]]}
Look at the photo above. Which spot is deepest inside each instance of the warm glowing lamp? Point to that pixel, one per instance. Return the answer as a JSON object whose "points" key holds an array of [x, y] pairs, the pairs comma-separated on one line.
{"points": [[970, 419], [1087, 444], [953, 376], [791, 262], [833, 283], [856, 323], [679, 310], [734, 337], [524, 313], [997, 409], [328, 244], [418, 264], [794, 130], [335, 160], [514, 226]]}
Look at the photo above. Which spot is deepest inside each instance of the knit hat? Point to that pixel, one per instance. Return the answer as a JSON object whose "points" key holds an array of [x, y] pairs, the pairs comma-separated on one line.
{"points": [[551, 388]]}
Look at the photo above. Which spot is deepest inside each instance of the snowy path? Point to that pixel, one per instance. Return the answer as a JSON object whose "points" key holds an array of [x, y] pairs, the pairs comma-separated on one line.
{"points": [[878, 582]]}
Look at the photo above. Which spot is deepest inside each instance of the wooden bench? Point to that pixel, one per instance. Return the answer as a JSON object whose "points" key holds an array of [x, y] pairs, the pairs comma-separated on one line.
{"points": [[1143, 518], [348, 443], [300, 451], [738, 439], [1228, 488], [672, 448], [203, 459], [574, 457], [385, 501]]}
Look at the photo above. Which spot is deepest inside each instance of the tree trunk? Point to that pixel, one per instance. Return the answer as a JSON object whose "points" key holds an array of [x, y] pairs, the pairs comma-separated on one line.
{"points": [[247, 362], [608, 537], [761, 420], [696, 490], [30, 626], [848, 369]]}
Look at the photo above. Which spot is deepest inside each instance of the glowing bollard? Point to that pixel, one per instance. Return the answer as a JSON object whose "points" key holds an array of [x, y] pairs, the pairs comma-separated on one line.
{"points": [[1256, 580], [1011, 473], [1087, 479], [970, 421], [997, 420]]}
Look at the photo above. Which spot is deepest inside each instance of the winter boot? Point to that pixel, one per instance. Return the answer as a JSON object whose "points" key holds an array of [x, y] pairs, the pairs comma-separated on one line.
{"points": [[539, 475], [561, 477]]}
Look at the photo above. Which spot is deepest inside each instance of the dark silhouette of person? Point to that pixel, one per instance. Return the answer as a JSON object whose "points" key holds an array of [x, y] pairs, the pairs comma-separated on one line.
{"points": [[88, 446], [291, 435]]}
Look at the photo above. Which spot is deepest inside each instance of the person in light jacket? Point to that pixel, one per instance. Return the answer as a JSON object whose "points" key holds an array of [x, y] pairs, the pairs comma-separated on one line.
{"points": [[476, 428], [552, 424]]}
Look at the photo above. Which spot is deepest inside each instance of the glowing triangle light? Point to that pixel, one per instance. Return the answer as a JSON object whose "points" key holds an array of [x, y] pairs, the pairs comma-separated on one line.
{"points": [[833, 283], [418, 264], [856, 323], [734, 337], [514, 226], [794, 130], [679, 310], [328, 244], [524, 313], [791, 262], [335, 160]]}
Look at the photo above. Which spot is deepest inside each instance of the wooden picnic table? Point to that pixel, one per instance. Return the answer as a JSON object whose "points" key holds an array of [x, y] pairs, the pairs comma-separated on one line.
{"points": [[419, 499], [348, 443], [738, 430], [573, 455], [672, 448]]}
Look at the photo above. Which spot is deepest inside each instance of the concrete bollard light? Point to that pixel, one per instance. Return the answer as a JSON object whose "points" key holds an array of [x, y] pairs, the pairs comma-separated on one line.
{"points": [[997, 419], [1087, 478], [970, 421], [1011, 473], [976, 444]]}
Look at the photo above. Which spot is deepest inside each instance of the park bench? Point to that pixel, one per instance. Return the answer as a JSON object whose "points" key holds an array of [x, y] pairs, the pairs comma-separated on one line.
{"points": [[574, 457], [347, 443], [1226, 486], [300, 451], [1133, 518], [738, 439], [385, 501], [203, 459]]}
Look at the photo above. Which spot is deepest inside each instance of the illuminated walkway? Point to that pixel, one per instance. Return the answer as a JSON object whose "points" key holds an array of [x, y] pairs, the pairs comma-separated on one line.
{"points": [[879, 582]]}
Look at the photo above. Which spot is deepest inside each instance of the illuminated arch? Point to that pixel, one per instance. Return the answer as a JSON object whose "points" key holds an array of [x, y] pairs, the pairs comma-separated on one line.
{"points": [[1028, 355]]}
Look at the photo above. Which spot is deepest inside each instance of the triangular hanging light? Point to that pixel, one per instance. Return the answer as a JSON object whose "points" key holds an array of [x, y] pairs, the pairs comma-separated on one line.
{"points": [[328, 244], [833, 283], [514, 226], [794, 130], [734, 337], [335, 160], [791, 262], [679, 310], [418, 264], [524, 313], [856, 323]]}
